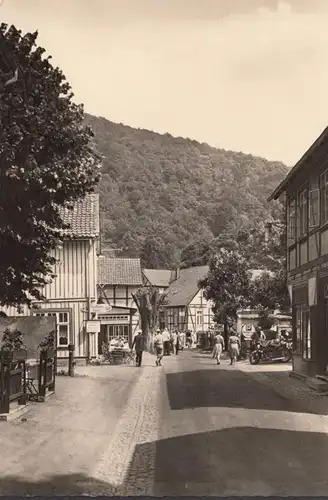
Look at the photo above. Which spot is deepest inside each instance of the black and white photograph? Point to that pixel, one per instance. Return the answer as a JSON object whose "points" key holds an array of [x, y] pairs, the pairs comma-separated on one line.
{"points": [[163, 248]]}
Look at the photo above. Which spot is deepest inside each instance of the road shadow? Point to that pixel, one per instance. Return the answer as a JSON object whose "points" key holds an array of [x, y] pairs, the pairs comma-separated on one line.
{"points": [[229, 388], [240, 461], [56, 485], [231, 461]]}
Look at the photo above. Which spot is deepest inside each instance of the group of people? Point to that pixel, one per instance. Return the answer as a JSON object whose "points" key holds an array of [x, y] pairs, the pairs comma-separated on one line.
{"points": [[238, 344], [234, 345], [165, 344]]}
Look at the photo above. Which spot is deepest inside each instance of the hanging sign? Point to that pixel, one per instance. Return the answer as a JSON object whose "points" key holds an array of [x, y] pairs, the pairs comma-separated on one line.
{"points": [[101, 308], [290, 291], [93, 326]]}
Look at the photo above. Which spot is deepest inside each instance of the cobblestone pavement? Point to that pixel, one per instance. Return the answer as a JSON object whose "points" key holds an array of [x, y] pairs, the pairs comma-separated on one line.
{"points": [[188, 428], [82, 440]]}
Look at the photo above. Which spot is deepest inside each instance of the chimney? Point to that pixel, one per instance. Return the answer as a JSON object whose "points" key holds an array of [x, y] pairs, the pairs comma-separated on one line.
{"points": [[175, 274]]}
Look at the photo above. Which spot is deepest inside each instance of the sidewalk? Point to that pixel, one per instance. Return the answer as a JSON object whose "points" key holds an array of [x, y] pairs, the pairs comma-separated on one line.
{"points": [[83, 439], [276, 376]]}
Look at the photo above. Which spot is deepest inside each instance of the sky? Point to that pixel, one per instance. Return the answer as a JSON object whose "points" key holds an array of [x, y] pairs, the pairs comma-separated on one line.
{"points": [[244, 75]]}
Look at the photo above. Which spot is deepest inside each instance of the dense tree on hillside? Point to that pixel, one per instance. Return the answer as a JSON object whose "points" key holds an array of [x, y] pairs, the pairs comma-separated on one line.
{"points": [[178, 189], [154, 253], [47, 160]]}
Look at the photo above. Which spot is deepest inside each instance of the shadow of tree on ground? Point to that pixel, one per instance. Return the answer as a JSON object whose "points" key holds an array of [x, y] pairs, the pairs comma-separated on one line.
{"points": [[56, 485], [228, 388], [241, 461]]}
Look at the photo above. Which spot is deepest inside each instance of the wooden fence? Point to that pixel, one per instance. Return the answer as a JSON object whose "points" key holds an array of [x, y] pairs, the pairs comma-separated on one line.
{"points": [[12, 382], [47, 372]]}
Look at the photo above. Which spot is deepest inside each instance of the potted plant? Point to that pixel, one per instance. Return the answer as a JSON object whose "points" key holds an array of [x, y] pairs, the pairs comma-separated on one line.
{"points": [[48, 344], [12, 345]]}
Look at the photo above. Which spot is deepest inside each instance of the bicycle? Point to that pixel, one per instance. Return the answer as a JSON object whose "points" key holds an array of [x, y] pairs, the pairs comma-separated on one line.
{"points": [[129, 358]]}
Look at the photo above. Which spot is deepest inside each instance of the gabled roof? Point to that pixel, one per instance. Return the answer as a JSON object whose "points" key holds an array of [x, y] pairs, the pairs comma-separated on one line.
{"points": [[157, 277], [182, 291], [83, 218], [305, 161], [119, 271]]}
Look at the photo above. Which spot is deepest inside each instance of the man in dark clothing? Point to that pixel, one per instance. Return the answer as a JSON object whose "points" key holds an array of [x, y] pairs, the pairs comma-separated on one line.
{"points": [[139, 343]]}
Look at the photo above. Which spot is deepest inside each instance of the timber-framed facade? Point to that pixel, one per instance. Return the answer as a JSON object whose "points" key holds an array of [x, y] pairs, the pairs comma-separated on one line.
{"points": [[305, 195]]}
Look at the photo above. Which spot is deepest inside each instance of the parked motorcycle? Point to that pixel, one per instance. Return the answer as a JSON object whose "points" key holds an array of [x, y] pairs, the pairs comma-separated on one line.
{"points": [[271, 352]]}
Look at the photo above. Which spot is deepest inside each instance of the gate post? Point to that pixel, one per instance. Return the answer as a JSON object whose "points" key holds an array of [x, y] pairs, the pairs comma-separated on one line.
{"points": [[5, 361], [71, 349], [23, 399], [42, 374]]}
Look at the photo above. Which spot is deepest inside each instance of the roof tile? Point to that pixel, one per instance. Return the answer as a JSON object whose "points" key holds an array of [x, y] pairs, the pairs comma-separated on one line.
{"points": [[83, 218], [119, 271]]}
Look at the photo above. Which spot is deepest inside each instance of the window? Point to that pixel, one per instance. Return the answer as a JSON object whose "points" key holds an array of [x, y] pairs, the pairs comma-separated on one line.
{"points": [[199, 317], [63, 326], [292, 220], [324, 196], [314, 204], [303, 332], [116, 331], [303, 212]]}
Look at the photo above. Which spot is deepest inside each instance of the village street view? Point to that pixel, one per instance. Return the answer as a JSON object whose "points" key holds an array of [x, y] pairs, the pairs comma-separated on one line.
{"points": [[186, 429], [163, 248]]}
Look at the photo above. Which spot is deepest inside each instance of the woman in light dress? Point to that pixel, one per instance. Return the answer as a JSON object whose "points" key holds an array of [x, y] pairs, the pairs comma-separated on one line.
{"points": [[234, 347]]}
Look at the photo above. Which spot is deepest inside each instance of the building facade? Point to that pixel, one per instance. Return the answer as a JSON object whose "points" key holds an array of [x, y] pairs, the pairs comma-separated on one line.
{"points": [[304, 193], [117, 280], [74, 289], [186, 307], [250, 319]]}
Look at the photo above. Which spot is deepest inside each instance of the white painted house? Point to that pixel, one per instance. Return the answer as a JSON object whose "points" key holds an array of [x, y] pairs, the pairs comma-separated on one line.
{"points": [[71, 294]]}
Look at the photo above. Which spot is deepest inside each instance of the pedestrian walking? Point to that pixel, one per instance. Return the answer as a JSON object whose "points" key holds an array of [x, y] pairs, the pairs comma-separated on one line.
{"points": [[188, 338], [177, 342], [218, 346], [139, 344], [166, 342], [234, 346], [172, 342], [158, 343]]}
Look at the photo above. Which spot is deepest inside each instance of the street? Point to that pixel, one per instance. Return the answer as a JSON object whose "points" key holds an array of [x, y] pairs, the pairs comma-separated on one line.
{"points": [[187, 428]]}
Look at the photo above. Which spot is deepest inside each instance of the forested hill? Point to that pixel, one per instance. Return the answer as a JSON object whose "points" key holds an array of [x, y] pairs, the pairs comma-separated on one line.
{"points": [[162, 193]]}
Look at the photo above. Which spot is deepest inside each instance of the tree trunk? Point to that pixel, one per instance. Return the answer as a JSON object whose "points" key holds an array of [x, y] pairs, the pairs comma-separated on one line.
{"points": [[225, 334]]}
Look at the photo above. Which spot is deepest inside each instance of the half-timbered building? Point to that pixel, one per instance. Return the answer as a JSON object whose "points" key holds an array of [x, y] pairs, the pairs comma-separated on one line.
{"points": [[186, 307], [304, 193], [118, 279]]}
